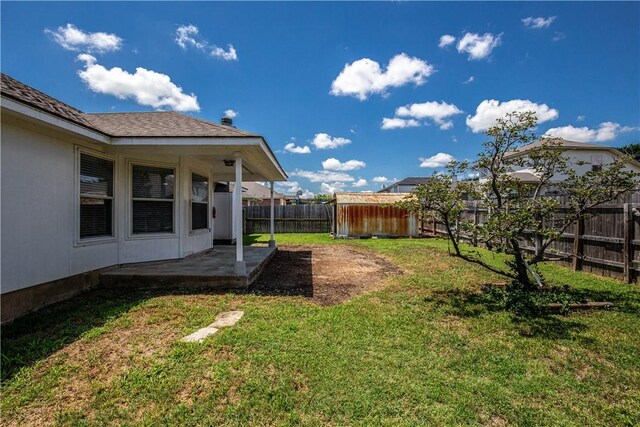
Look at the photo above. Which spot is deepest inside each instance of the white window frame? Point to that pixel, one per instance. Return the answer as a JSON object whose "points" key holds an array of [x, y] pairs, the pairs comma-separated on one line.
{"points": [[85, 241], [176, 200], [193, 232]]}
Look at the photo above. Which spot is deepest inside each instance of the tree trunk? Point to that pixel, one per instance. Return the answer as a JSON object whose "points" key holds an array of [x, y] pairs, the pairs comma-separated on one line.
{"points": [[520, 266]]}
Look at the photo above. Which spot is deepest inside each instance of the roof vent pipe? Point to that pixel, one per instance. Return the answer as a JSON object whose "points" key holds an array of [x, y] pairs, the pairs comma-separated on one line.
{"points": [[226, 121]]}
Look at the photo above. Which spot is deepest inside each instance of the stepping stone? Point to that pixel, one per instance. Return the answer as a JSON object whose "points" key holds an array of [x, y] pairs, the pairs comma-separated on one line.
{"points": [[228, 318], [200, 335]]}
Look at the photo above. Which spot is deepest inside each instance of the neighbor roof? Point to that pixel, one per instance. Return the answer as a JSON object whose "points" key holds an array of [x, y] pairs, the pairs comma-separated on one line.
{"points": [[253, 190], [412, 180], [569, 145], [133, 125], [525, 176]]}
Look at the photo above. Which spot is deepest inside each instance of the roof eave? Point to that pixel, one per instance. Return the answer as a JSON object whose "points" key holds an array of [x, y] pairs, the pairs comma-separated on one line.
{"points": [[31, 112]]}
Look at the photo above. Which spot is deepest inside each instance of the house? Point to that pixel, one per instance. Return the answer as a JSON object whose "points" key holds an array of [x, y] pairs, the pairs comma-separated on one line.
{"points": [[581, 156], [256, 194], [372, 215], [86, 191], [406, 185]]}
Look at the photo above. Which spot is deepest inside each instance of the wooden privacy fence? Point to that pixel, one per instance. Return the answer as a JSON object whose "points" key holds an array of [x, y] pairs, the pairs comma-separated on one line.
{"points": [[607, 243], [289, 219]]}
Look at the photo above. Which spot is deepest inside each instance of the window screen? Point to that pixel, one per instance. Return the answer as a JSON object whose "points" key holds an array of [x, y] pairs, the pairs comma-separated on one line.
{"points": [[199, 202], [96, 196], [152, 199]]}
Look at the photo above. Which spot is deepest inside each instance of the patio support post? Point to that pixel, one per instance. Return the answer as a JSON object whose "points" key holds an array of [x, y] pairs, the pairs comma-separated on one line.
{"points": [[272, 241], [240, 267]]}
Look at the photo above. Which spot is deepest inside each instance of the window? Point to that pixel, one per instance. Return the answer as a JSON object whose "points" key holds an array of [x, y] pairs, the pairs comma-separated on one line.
{"points": [[96, 197], [152, 199], [199, 202], [596, 163]]}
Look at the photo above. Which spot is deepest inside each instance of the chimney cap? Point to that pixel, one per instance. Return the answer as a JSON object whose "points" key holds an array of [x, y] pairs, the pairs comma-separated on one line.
{"points": [[226, 121]]}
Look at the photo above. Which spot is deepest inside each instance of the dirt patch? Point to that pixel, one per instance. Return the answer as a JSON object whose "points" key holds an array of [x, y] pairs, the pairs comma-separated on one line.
{"points": [[327, 275]]}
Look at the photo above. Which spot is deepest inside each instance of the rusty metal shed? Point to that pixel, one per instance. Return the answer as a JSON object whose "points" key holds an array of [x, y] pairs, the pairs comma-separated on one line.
{"points": [[371, 214]]}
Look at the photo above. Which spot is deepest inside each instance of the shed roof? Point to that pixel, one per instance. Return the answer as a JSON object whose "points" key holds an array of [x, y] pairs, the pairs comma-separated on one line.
{"points": [[369, 198]]}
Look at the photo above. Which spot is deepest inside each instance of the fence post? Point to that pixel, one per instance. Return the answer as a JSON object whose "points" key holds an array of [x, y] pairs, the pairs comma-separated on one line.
{"points": [[627, 254], [577, 244]]}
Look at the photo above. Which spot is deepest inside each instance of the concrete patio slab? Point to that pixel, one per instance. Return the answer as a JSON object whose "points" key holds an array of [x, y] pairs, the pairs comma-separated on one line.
{"points": [[210, 269]]}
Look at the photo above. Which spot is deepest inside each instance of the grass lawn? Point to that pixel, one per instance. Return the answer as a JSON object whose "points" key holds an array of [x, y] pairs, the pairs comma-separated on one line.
{"points": [[423, 350]]}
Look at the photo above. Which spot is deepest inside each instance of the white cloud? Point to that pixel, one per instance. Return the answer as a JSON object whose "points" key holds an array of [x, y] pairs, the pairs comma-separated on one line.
{"points": [[231, 114], [292, 148], [323, 141], [539, 22], [478, 46], [469, 80], [558, 36], [184, 37], [188, 36], [490, 109], [365, 76], [439, 112], [380, 179], [324, 175], [397, 123], [228, 55], [73, 38], [336, 165], [437, 161], [360, 183], [605, 132], [292, 187], [145, 87], [330, 188], [446, 40], [580, 118]]}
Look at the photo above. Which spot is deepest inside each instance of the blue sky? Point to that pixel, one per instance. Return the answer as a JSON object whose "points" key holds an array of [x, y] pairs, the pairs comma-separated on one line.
{"points": [[323, 75]]}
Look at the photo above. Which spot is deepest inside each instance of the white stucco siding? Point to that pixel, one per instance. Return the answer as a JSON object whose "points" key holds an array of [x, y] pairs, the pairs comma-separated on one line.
{"points": [[142, 248], [40, 201], [38, 218], [586, 157]]}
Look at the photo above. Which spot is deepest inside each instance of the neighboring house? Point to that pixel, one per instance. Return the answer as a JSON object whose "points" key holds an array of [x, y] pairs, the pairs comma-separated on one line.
{"points": [[255, 194], [81, 192], [406, 185], [581, 156]]}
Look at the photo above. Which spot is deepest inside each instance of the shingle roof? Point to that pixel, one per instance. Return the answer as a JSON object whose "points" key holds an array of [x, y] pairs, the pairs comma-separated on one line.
{"points": [[19, 91], [253, 190], [138, 124], [525, 176], [563, 143], [159, 124], [412, 180]]}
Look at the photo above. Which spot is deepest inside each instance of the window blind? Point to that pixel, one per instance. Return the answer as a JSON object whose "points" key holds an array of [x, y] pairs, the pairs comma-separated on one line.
{"points": [[152, 199], [199, 202], [96, 196]]}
